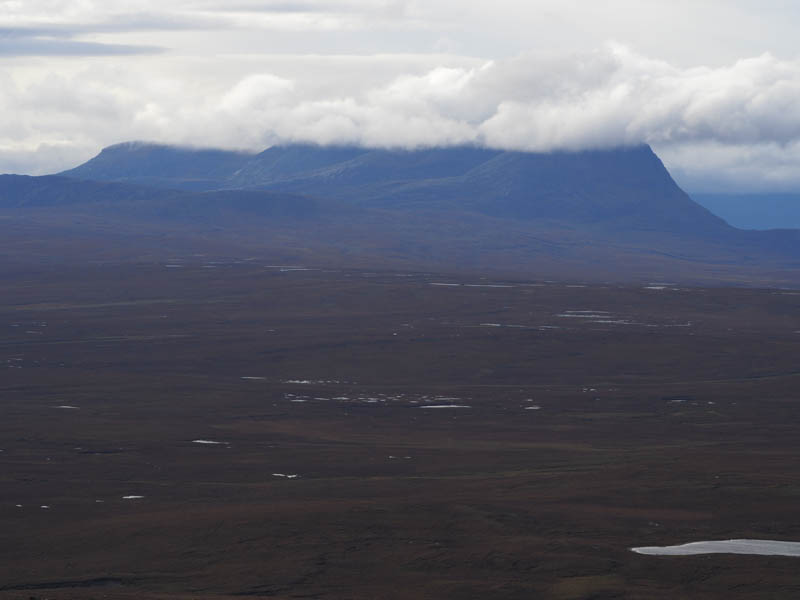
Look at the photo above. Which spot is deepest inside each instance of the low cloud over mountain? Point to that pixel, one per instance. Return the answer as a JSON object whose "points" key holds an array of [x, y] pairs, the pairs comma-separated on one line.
{"points": [[719, 106], [601, 99]]}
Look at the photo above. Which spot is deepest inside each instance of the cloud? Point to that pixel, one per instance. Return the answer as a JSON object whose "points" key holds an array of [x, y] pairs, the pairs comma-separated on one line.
{"points": [[607, 98], [740, 121], [154, 15], [24, 43], [734, 168]]}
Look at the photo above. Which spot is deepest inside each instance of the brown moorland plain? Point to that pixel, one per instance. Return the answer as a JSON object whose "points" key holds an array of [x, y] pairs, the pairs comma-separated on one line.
{"points": [[235, 429]]}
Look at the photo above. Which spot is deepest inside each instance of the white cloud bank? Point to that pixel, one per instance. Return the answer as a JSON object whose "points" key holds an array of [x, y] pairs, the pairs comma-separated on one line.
{"points": [[735, 126]]}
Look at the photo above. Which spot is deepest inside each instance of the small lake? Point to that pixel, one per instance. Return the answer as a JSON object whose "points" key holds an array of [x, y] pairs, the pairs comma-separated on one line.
{"points": [[762, 547]]}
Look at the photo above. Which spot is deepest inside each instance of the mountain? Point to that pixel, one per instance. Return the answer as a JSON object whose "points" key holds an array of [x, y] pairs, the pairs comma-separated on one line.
{"points": [[621, 188], [347, 166], [611, 214]]}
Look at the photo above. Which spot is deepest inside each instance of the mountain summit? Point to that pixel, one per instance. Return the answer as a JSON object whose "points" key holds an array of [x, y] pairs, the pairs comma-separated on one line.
{"points": [[161, 166]]}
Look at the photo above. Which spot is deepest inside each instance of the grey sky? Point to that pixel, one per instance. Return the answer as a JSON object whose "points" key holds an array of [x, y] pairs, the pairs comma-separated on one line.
{"points": [[714, 86]]}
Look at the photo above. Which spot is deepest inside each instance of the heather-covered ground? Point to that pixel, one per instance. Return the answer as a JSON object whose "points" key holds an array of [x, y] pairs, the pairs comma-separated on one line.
{"points": [[390, 434]]}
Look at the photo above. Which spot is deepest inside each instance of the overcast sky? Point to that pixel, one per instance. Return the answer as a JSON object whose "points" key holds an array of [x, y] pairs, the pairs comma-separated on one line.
{"points": [[712, 85]]}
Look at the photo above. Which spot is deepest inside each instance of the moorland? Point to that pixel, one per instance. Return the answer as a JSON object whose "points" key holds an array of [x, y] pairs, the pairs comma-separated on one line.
{"points": [[206, 427]]}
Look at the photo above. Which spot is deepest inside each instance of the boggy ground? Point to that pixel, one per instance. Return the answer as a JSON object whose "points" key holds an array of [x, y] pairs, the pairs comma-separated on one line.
{"points": [[590, 419]]}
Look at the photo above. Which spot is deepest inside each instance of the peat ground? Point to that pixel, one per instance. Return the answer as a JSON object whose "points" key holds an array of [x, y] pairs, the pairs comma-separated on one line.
{"points": [[389, 435]]}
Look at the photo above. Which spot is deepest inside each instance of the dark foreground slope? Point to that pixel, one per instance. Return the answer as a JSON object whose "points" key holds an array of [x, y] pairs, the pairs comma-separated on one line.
{"points": [[612, 214], [592, 419]]}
